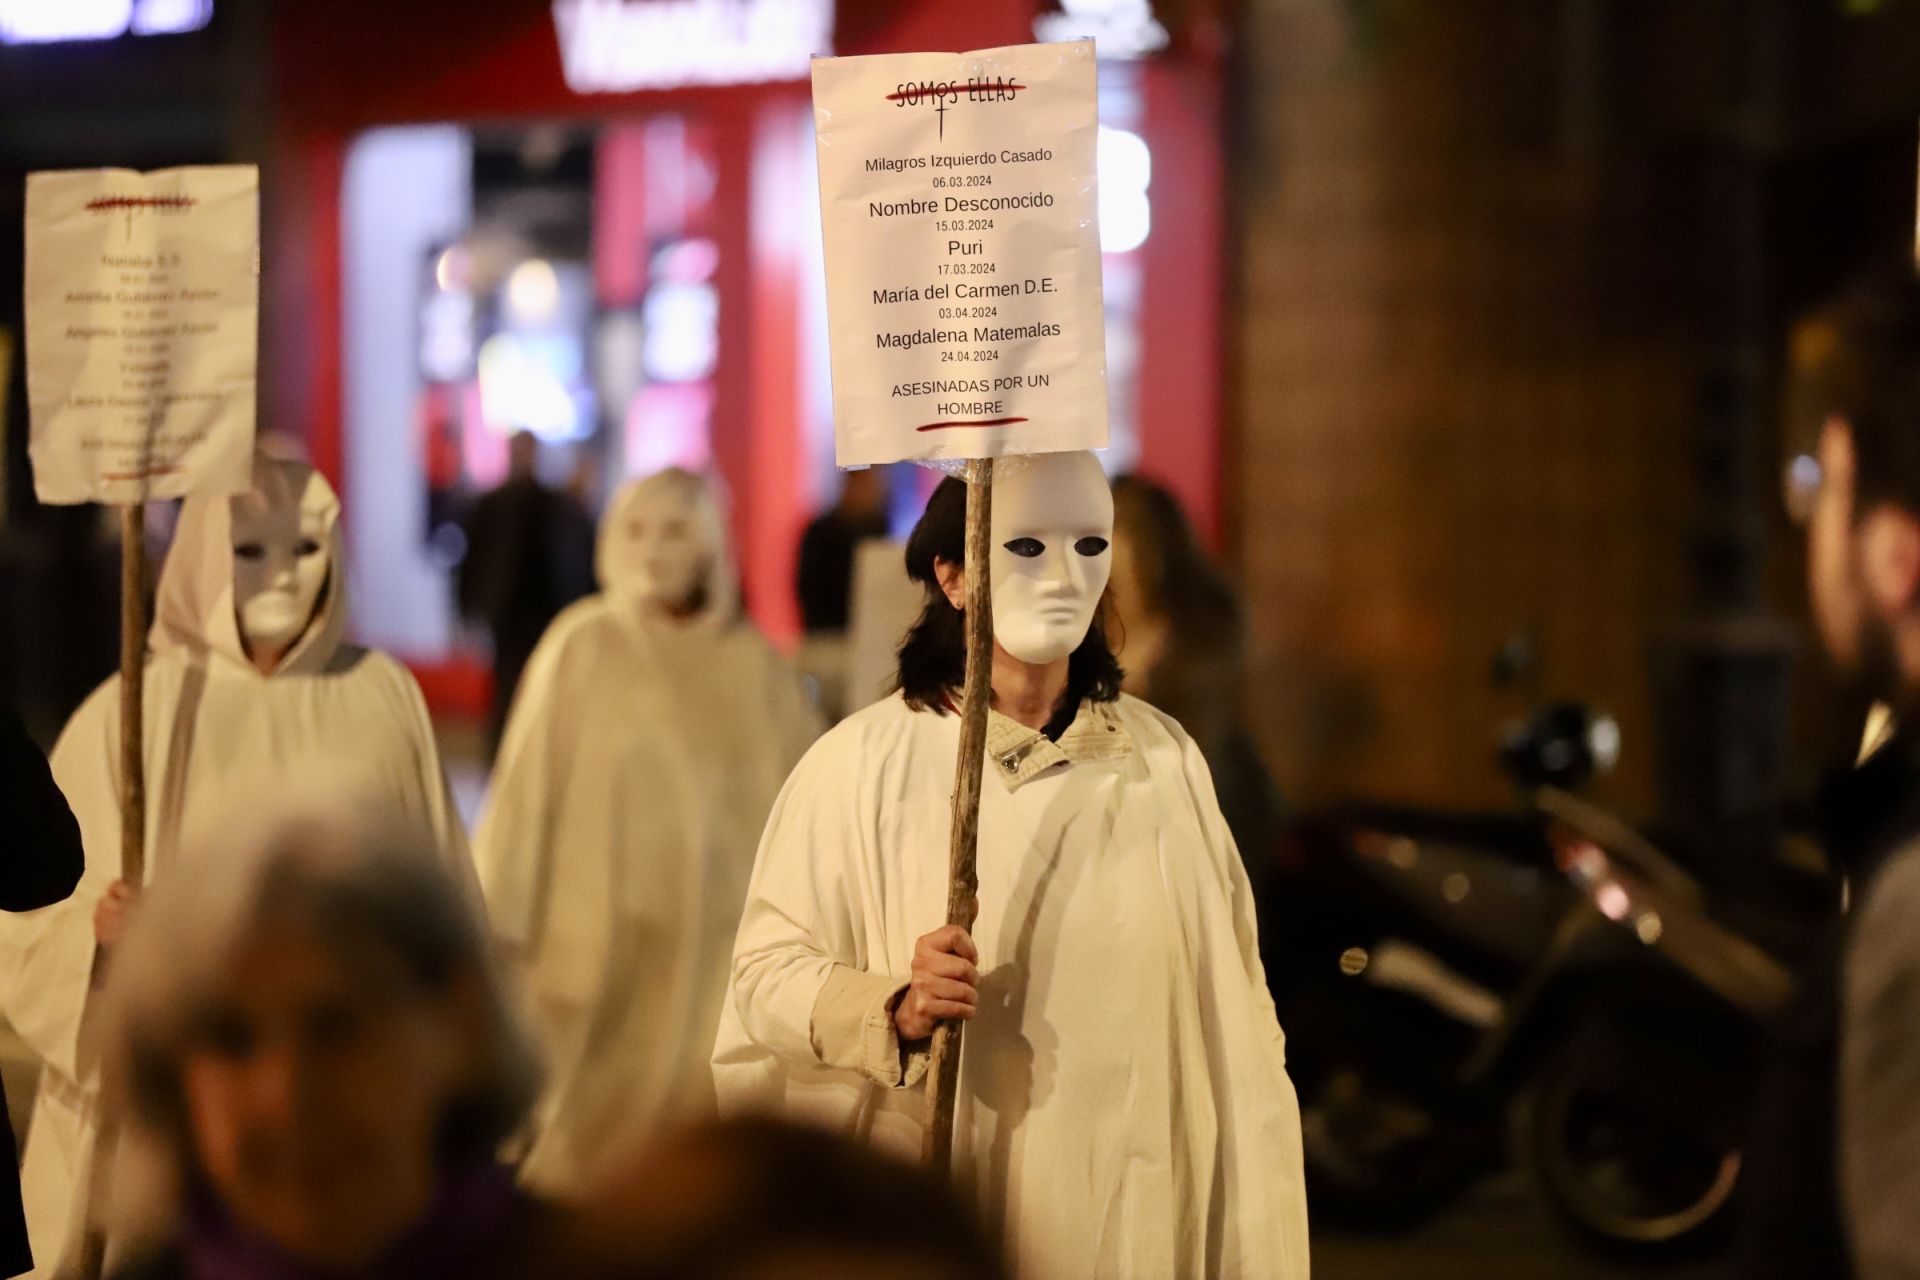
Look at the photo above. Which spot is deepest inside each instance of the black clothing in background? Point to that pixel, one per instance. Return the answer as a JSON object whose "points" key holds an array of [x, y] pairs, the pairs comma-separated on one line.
{"points": [[40, 864], [1792, 1227], [826, 566], [529, 555]]}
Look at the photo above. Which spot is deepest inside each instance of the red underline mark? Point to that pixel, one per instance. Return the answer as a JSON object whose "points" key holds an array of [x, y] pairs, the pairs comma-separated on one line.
{"points": [[140, 475], [141, 202], [985, 422], [953, 90]]}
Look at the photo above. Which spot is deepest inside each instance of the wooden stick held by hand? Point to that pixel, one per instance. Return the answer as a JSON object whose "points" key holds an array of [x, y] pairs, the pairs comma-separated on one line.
{"points": [[943, 1072], [91, 1262]]}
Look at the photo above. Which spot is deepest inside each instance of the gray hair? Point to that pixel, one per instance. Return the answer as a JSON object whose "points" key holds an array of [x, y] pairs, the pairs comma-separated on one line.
{"points": [[370, 888]]}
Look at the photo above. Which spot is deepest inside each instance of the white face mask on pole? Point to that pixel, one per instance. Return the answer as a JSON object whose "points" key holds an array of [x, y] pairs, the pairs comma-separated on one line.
{"points": [[1052, 553]]}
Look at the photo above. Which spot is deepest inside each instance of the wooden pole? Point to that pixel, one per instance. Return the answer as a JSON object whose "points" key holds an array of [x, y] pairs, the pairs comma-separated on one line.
{"points": [[133, 670], [943, 1072], [91, 1263]]}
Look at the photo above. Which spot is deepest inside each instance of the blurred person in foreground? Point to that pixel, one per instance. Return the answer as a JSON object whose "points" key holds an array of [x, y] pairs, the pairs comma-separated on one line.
{"points": [[758, 1199], [653, 730], [249, 684], [1123, 1105], [311, 1064], [523, 566], [1184, 646], [1834, 1162], [40, 863]]}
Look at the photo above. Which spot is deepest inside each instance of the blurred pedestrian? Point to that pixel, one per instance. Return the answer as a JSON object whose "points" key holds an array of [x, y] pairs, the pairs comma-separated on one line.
{"points": [[1832, 1172], [249, 685], [756, 1199], [311, 1063], [825, 575], [1184, 648], [40, 863], [1124, 1106], [653, 730], [522, 567]]}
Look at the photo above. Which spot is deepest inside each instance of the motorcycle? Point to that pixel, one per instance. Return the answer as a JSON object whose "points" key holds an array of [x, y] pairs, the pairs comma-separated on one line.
{"points": [[1458, 1000]]}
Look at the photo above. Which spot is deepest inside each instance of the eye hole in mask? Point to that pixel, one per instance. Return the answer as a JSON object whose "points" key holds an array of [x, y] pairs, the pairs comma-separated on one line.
{"points": [[1091, 546], [307, 547], [250, 551], [1027, 548]]}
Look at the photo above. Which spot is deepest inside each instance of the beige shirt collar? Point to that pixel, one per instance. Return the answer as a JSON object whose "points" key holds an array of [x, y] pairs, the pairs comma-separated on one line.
{"points": [[1018, 754]]}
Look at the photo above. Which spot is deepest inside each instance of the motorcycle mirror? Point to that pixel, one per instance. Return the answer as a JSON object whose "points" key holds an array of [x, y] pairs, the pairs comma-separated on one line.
{"points": [[1516, 660]]}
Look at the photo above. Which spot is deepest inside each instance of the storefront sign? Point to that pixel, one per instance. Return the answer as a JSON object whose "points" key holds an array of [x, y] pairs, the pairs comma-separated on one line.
{"points": [[619, 46], [961, 216], [46, 21], [1118, 28], [142, 309]]}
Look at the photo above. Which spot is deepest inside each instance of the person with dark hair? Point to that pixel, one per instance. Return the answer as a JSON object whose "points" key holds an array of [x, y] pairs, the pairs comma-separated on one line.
{"points": [[755, 1198], [1184, 649], [1124, 1107], [526, 561], [1831, 1171]]}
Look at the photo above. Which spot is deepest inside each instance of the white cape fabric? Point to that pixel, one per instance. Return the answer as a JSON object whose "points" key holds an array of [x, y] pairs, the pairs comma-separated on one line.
{"points": [[216, 730], [1124, 1108], [638, 767]]}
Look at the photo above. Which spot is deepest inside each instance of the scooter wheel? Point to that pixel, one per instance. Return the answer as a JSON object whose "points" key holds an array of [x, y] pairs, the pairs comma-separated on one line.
{"points": [[1630, 1151]]}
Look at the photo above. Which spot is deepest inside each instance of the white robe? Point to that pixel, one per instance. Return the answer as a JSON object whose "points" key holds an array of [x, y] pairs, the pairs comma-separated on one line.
{"points": [[1124, 1107], [216, 731], [637, 771]]}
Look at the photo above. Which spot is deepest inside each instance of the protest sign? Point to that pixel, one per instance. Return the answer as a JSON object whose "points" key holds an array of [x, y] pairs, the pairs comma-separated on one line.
{"points": [[961, 217], [142, 309]]}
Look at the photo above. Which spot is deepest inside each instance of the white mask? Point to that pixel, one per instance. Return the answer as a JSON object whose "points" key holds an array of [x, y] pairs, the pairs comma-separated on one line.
{"points": [[662, 553], [1052, 553], [279, 569]]}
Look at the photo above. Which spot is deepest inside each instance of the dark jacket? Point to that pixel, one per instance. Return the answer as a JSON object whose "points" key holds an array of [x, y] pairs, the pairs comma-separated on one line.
{"points": [[1793, 1226], [39, 866]]}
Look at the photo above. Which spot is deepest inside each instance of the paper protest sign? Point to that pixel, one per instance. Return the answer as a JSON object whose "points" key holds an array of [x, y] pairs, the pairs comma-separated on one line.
{"points": [[961, 218], [142, 311]]}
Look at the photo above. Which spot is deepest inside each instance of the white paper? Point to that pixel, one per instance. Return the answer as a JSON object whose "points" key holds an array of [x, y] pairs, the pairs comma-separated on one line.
{"points": [[961, 221], [142, 310]]}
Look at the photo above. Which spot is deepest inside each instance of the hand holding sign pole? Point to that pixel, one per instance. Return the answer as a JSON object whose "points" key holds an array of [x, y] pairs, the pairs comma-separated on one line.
{"points": [[959, 208], [142, 303]]}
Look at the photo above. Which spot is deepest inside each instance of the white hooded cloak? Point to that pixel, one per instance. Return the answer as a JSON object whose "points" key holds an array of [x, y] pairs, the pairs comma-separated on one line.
{"points": [[639, 763], [216, 729], [1124, 1107]]}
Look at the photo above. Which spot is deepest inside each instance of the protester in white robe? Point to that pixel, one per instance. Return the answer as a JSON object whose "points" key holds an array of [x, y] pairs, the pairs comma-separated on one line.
{"points": [[249, 685], [1123, 1106], [652, 731]]}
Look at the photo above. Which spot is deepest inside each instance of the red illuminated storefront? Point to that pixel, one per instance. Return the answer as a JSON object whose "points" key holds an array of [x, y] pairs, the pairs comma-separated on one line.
{"points": [[703, 210]]}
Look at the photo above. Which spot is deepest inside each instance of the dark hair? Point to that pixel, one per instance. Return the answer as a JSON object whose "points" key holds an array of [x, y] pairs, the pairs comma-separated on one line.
{"points": [[933, 657], [1177, 580], [1859, 358]]}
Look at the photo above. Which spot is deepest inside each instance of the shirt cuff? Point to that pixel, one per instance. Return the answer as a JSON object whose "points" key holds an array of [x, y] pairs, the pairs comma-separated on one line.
{"points": [[853, 1028]]}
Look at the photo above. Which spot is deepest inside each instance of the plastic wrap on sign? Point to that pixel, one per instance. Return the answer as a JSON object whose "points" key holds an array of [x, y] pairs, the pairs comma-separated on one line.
{"points": [[961, 216]]}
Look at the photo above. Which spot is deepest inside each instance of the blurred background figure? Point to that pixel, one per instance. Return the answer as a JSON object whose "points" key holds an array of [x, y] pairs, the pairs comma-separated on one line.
{"points": [[249, 683], [825, 575], [655, 728], [756, 1199], [1183, 644], [39, 866], [1834, 1175], [824, 581], [522, 567], [311, 1062]]}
